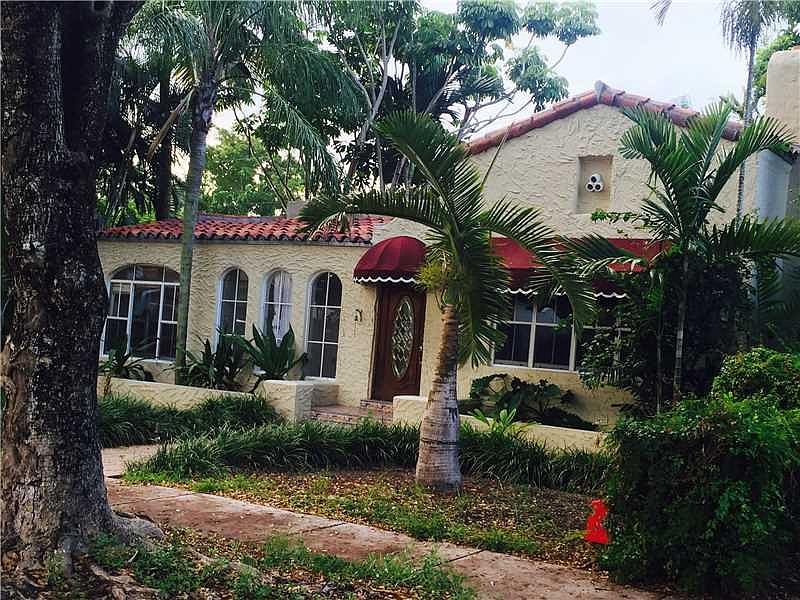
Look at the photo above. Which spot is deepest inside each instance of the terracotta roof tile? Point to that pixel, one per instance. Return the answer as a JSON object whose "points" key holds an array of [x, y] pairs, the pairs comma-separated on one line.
{"points": [[245, 228], [602, 94]]}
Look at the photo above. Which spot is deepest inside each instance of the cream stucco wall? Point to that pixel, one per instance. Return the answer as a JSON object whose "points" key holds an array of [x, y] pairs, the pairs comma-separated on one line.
{"points": [[258, 260], [540, 169]]}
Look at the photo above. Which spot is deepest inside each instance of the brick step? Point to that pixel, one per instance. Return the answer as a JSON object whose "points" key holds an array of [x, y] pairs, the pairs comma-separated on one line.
{"points": [[347, 415], [378, 407]]}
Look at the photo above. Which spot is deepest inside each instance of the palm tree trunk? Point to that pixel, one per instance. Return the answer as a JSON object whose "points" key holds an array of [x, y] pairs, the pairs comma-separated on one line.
{"points": [[437, 464], [202, 111], [678, 373], [748, 116]]}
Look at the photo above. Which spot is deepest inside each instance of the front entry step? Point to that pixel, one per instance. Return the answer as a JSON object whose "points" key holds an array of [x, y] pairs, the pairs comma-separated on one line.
{"points": [[349, 415]]}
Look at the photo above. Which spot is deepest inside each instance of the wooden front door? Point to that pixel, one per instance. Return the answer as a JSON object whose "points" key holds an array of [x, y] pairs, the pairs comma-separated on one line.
{"points": [[400, 322]]}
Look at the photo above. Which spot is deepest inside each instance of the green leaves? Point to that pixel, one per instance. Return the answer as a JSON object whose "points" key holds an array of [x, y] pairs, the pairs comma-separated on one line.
{"points": [[273, 360]]}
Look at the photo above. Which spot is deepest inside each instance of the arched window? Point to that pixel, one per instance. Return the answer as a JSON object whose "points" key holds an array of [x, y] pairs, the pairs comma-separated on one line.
{"points": [[322, 341], [233, 302], [278, 303], [142, 311]]}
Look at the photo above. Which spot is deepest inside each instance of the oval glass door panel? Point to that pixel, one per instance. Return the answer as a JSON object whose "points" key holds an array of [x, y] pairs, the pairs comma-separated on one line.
{"points": [[402, 336]]}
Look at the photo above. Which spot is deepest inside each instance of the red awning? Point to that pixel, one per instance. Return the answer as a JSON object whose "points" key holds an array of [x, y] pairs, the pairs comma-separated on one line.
{"points": [[394, 260], [398, 260]]}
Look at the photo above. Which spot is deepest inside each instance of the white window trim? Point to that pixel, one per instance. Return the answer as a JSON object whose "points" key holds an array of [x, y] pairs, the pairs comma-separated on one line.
{"points": [[265, 301], [220, 285], [309, 306], [129, 321]]}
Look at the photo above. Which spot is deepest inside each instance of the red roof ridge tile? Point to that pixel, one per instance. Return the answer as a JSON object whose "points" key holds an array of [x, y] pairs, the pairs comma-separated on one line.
{"points": [[247, 228], [602, 94]]}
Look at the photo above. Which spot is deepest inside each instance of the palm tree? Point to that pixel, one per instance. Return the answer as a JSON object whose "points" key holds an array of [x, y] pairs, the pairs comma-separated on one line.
{"points": [[689, 170], [744, 24], [226, 53], [460, 268]]}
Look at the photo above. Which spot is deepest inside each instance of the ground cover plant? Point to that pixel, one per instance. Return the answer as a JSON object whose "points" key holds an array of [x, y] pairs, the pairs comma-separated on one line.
{"points": [[313, 445], [188, 564], [126, 420]]}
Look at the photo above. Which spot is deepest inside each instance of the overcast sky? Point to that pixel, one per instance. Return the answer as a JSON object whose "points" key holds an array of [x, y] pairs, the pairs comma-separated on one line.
{"points": [[684, 57]]}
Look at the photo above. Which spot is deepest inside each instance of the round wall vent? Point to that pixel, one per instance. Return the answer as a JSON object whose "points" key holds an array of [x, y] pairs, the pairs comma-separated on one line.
{"points": [[595, 183]]}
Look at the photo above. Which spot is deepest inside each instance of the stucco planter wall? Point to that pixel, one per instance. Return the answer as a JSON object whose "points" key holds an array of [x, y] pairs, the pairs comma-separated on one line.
{"points": [[408, 410], [180, 396], [295, 399]]}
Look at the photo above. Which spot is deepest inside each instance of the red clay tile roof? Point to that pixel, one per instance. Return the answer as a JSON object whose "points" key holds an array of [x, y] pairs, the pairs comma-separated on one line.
{"points": [[602, 94], [245, 228]]}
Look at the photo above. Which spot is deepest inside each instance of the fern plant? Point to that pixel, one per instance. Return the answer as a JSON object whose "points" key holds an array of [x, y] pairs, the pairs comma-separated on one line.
{"points": [[271, 360]]}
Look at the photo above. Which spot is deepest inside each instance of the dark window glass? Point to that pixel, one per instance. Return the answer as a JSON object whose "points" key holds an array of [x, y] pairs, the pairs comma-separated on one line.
{"points": [[226, 317], [315, 324], [334, 290], [168, 307], [123, 273], [551, 347], [319, 290], [229, 286], [314, 364], [116, 330], [166, 348], [144, 323], [329, 360], [332, 324], [517, 344], [171, 276], [119, 299], [149, 273], [239, 322]]}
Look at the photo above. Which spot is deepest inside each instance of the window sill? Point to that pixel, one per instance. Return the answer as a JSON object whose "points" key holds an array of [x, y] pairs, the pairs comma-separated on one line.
{"points": [[527, 368]]}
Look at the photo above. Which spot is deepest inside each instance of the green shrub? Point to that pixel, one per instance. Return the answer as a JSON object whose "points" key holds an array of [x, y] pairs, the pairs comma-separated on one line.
{"points": [[125, 421], [314, 445], [216, 368], [761, 372], [698, 494]]}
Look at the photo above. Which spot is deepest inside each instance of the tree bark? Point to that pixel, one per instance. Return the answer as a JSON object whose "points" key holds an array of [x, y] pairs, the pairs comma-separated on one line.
{"points": [[748, 117], [677, 382], [56, 70], [437, 464], [164, 157], [202, 111]]}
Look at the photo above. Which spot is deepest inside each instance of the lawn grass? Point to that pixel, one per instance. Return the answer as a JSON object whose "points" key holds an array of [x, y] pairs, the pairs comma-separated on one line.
{"points": [[280, 568], [536, 523]]}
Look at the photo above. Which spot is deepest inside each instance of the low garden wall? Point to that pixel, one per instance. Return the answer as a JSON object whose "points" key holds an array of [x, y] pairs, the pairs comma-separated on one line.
{"points": [[409, 410], [292, 399]]}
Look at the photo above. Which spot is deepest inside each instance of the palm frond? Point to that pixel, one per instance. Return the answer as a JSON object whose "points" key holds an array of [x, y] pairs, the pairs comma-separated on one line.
{"points": [[754, 240]]}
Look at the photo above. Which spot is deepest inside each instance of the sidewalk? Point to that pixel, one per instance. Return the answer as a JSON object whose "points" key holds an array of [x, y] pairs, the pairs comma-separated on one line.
{"points": [[492, 574]]}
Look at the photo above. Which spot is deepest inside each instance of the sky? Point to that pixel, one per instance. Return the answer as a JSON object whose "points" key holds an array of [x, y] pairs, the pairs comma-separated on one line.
{"points": [[684, 57]]}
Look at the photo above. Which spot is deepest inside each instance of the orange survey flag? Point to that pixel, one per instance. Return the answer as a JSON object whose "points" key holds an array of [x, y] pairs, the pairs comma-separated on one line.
{"points": [[595, 531]]}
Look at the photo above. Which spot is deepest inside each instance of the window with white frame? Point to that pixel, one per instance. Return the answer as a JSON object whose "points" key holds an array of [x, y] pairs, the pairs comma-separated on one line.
{"points": [[324, 310], [142, 311], [609, 322], [233, 302], [538, 335], [278, 303]]}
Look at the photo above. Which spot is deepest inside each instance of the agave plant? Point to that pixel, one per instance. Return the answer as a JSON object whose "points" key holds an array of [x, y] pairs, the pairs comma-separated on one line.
{"points": [[215, 368], [272, 360]]}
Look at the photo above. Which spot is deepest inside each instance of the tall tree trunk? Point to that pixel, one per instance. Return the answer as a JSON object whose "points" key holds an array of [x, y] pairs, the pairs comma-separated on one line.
{"points": [[748, 117], [202, 111], [437, 464], [56, 69], [164, 157], [677, 381]]}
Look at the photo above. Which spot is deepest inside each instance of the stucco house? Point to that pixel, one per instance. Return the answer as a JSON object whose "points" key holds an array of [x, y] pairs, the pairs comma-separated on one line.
{"points": [[350, 298]]}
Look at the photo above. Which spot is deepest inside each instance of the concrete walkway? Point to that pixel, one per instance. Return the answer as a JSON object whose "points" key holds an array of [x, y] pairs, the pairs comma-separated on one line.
{"points": [[492, 574]]}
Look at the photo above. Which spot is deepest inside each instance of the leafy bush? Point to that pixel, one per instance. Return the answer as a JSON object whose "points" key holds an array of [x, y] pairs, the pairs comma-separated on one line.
{"points": [[125, 421], [698, 494], [215, 369], [122, 363], [273, 360], [761, 372], [314, 445], [493, 394]]}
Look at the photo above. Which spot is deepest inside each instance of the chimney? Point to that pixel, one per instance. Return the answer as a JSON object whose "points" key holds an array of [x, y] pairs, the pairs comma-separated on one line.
{"points": [[783, 89]]}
